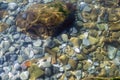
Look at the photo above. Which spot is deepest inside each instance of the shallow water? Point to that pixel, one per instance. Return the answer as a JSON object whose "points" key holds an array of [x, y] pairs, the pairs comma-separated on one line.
{"points": [[84, 46]]}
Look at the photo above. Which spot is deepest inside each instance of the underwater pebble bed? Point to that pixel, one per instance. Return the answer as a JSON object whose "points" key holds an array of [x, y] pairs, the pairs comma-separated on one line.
{"points": [[88, 50]]}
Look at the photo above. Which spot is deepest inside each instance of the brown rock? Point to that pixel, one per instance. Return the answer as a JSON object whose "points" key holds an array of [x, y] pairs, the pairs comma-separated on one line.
{"points": [[63, 59], [102, 73], [3, 26], [73, 63]]}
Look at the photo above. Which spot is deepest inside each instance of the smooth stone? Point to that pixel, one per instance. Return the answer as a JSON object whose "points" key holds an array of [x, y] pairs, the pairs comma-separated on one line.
{"points": [[37, 43], [64, 37], [12, 49], [77, 50], [111, 52], [24, 75], [61, 69], [12, 6]]}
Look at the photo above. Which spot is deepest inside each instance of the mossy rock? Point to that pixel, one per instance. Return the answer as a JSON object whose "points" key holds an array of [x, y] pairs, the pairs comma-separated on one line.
{"points": [[43, 20], [35, 72]]}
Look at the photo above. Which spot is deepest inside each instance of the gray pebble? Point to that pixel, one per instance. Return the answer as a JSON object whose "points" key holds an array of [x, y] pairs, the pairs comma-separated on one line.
{"points": [[24, 75], [78, 74], [111, 52], [64, 37], [10, 20], [37, 43], [12, 6], [16, 36], [46, 64], [12, 49], [86, 42]]}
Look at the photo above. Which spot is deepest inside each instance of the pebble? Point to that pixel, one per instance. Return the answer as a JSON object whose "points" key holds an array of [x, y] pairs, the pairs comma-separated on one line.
{"points": [[37, 43], [10, 20], [12, 49], [46, 64], [12, 6], [24, 75], [16, 36], [13, 57], [48, 71], [112, 52], [64, 37], [82, 5], [5, 44], [7, 69], [17, 66], [78, 74], [86, 42]]}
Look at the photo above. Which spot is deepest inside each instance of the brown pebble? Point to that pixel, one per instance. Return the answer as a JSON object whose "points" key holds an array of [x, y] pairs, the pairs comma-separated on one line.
{"points": [[63, 59], [73, 63]]}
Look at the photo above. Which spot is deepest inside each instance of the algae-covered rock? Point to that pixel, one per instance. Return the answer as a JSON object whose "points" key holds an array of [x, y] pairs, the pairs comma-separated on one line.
{"points": [[43, 20], [35, 72]]}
